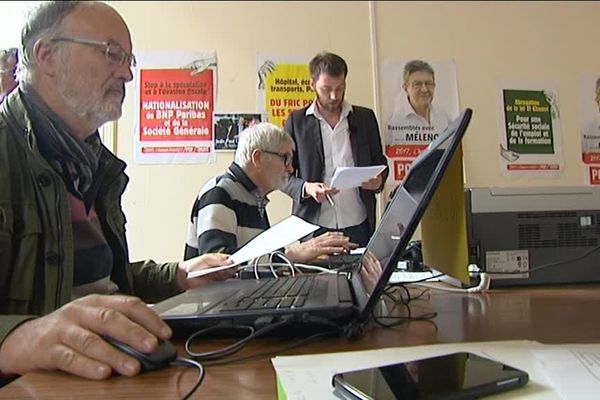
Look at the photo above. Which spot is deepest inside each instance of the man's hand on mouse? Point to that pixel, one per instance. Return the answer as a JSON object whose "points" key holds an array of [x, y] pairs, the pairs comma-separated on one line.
{"points": [[69, 339]]}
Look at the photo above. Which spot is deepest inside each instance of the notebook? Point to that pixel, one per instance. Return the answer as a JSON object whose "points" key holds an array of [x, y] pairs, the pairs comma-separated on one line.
{"points": [[346, 298]]}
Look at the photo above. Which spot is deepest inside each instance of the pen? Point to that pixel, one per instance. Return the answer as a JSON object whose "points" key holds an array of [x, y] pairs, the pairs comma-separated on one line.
{"points": [[330, 199]]}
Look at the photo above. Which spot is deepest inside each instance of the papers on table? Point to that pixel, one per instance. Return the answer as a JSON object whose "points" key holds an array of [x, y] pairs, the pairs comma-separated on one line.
{"points": [[279, 235], [555, 371], [574, 370], [351, 177]]}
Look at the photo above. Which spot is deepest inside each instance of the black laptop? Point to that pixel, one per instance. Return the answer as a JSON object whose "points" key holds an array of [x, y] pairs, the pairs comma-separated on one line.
{"points": [[343, 298]]}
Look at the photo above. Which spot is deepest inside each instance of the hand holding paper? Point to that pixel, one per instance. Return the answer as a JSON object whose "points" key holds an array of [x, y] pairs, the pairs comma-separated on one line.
{"points": [[280, 235], [352, 177]]}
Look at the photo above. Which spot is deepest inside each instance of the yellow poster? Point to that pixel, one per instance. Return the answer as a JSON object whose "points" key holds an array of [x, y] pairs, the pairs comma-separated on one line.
{"points": [[286, 87]]}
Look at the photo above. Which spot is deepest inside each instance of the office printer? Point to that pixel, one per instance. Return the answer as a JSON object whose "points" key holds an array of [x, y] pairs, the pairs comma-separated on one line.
{"points": [[514, 230]]}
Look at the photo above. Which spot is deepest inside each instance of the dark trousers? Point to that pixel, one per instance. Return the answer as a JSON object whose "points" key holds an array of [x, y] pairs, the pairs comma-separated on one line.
{"points": [[358, 234]]}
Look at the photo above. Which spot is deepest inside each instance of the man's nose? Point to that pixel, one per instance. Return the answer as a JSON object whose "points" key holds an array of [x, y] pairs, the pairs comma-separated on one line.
{"points": [[124, 72]]}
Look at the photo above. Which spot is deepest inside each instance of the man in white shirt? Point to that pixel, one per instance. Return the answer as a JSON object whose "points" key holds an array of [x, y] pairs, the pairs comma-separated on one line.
{"points": [[332, 133], [415, 120]]}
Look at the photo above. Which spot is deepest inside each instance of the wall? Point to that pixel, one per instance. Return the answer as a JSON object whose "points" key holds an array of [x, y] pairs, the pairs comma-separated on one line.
{"points": [[554, 41], [159, 197]]}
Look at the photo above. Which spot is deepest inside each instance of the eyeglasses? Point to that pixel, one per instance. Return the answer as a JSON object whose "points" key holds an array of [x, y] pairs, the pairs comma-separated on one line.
{"points": [[420, 84], [113, 52], [287, 158]]}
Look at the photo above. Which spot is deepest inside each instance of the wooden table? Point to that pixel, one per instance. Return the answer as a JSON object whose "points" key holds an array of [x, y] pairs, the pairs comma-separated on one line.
{"points": [[548, 315]]}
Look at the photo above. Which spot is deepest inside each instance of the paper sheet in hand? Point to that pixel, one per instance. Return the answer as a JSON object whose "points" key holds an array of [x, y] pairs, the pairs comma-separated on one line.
{"points": [[280, 235], [351, 177]]}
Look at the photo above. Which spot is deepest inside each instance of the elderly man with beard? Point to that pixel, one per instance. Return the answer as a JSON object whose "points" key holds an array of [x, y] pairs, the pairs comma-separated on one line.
{"points": [[63, 249], [230, 209]]}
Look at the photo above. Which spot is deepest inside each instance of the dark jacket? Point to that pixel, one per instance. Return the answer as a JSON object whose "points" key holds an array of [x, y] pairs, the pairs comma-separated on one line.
{"points": [[36, 241], [309, 162]]}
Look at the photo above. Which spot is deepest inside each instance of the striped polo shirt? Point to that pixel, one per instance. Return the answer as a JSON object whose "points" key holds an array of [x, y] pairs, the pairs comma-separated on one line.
{"points": [[228, 212]]}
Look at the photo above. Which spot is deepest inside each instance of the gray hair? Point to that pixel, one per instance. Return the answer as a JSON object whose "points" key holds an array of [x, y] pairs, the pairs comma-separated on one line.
{"points": [[42, 21], [262, 136], [416, 66]]}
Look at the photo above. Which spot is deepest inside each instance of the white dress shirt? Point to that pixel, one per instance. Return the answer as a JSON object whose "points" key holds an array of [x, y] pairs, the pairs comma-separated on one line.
{"points": [[348, 209], [407, 127]]}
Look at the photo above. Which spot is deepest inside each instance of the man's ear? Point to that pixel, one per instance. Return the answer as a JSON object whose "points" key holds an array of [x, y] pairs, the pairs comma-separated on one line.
{"points": [[256, 157], [46, 56], [313, 85]]}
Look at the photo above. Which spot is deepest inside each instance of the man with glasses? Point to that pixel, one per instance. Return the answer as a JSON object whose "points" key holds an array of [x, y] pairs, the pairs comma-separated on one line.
{"points": [[8, 72], [63, 249], [415, 116], [230, 209]]}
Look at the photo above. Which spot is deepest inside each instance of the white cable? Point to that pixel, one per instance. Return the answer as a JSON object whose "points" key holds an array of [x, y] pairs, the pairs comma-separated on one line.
{"points": [[484, 284], [315, 268], [285, 260]]}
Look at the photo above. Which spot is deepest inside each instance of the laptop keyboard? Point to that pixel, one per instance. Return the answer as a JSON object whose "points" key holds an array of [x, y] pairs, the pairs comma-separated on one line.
{"points": [[288, 292]]}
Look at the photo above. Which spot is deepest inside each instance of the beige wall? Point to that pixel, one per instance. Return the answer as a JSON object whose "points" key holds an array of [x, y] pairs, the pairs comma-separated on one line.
{"points": [[160, 197], [554, 41]]}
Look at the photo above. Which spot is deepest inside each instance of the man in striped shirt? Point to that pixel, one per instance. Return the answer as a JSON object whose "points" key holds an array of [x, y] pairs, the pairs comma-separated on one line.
{"points": [[230, 210]]}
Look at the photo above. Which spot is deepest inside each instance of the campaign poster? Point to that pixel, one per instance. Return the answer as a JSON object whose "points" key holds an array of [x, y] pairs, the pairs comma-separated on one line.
{"points": [[283, 86], [175, 107], [530, 134], [228, 127], [419, 99], [589, 107]]}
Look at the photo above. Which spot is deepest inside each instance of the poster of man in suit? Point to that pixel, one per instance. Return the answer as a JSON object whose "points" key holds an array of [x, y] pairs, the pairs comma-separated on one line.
{"points": [[227, 128]]}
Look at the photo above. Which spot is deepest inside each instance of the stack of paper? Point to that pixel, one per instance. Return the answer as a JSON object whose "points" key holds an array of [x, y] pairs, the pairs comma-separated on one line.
{"points": [[555, 371]]}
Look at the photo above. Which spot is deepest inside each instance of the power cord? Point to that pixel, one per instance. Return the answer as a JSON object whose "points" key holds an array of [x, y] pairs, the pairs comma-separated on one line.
{"points": [[186, 362], [235, 347], [483, 285]]}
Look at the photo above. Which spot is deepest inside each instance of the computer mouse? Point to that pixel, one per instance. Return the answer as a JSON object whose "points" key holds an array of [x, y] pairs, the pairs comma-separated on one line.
{"points": [[159, 358]]}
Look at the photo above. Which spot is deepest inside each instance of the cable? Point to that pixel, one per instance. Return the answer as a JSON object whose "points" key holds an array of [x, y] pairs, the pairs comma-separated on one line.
{"points": [[233, 348], [315, 268], [394, 293], [484, 284], [186, 362], [270, 352], [284, 258], [221, 352]]}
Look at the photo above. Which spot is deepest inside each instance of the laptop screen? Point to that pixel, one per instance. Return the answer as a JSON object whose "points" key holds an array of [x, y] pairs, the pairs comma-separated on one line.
{"points": [[404, 212]]}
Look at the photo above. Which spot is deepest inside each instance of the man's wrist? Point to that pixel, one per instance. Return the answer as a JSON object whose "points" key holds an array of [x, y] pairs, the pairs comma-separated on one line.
{"points": [[304, 194]]}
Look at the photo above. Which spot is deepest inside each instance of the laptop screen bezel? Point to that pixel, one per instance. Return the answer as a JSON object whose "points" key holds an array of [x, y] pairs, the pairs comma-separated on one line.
{"points": [[454, 133]]}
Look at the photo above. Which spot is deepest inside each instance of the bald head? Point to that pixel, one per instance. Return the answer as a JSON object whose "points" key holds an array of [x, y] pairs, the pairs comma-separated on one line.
{"points": [[78, 59], [51, 18]]}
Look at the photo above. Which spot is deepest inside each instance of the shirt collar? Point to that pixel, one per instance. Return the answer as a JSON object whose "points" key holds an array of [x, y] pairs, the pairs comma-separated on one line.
{"points": [[407, 109], [240, 176]]}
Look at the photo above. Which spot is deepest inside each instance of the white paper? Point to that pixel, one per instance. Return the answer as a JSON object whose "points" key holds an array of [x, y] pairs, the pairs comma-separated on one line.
{"points": [[309, 376], [279, 235], [574, 371], [351, 177]]}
